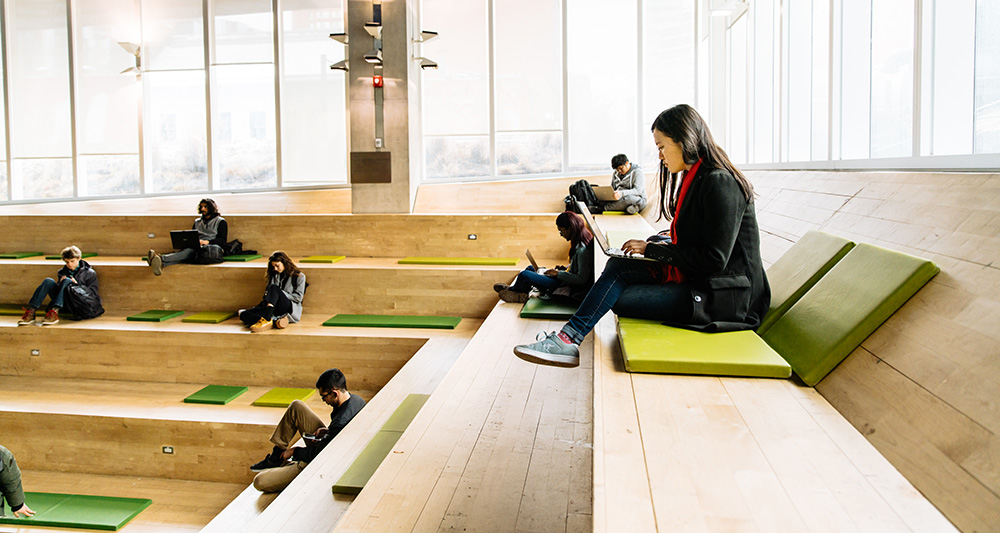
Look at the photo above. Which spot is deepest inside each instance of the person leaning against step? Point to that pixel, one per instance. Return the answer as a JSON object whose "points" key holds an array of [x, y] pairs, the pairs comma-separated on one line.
{"points": [[76, 290], [10, 486], [281, 466], [282, 300], [630, 184], [212, 234]]}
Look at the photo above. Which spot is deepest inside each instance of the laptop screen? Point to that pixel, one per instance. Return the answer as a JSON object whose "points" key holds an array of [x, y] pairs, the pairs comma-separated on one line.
{"points": [[592, 224]]}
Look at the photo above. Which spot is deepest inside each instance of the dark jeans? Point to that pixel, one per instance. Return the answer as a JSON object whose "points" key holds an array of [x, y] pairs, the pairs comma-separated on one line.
{"points": [[528, 278], [55, 290], [633, 289], [280, 306]]}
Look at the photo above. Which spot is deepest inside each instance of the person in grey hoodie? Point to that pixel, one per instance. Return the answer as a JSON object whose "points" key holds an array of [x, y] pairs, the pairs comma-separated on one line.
{"points": [[212, 234], [282, 301], [630, 183], [10, 485]]}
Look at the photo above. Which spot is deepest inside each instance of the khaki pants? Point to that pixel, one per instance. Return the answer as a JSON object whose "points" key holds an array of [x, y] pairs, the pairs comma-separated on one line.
{"points": [[298, 419]]}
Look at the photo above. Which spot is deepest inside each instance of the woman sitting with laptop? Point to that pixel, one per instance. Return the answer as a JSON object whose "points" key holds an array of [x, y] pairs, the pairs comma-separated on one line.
{"points": [[282, 301], [573, 281], [709, 278]]}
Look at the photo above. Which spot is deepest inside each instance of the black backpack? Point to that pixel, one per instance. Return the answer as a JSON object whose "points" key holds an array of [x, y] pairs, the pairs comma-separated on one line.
{"points": [[581, 191], [82, 302]]}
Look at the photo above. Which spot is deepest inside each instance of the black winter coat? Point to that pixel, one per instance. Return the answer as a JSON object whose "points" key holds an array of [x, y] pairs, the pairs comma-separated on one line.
{"points": [[84, 297]]}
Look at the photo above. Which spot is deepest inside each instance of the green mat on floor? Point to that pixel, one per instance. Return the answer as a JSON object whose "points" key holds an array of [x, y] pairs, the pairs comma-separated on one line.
{"points": [[216, 394], [209, 317], [480, 261], [78, 511], [555, 308], [393, 321], [323, 259], [58, 257], [155, 315], [283, 397], [242, 258], [20, 255], [11, 309]]}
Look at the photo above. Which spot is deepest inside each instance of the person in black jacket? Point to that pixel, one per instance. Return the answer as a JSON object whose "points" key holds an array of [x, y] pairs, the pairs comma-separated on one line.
{"points": [[708, 277], [77, 275], [281, 466], [10, 485], [213, 230]]}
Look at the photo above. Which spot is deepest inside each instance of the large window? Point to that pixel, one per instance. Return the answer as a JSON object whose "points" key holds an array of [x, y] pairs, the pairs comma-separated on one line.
{"points": [[159, 96]]}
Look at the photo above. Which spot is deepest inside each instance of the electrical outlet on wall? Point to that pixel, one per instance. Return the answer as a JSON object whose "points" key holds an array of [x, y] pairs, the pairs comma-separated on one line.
{"points": [[169, 450], [36, 352], [473, 236]]}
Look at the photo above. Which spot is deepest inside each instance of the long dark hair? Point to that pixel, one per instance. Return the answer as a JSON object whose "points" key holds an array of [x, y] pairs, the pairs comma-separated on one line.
{"points": [[686, 127], [213, 209], [578, 232], [281, 257]]}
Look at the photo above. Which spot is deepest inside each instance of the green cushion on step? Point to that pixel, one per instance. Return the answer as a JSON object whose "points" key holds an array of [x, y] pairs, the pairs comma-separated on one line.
{"points": [[78, 511], [554, 308], [367, 462], [155, 315], [378, 448], [798, 269], [209, 317], [20, 255], [59, 257], [323, 259], [393, 321], [283, 397], [11, 309], [649, 346], [847, 304], [481, 261], [216, 394], [403, 415], [242, 258], [613, 213]]}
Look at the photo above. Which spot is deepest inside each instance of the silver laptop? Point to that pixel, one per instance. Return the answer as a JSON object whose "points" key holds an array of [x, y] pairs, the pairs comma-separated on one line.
{"points": [[602, 242], [605, 193]]}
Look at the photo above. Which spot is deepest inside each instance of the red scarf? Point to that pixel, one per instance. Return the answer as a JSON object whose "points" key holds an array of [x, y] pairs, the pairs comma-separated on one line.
{"points": [[672, 273]]}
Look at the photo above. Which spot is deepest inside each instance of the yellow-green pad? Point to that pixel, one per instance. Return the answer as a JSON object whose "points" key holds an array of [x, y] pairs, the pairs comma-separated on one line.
{"points": [[59, 256], [649, 346], [480, 261], [847, 304], [78, 511], [555, 308], [12, 309], [20, 255], [209, 317], [323, 259], [283, 397], [614, 213], [798, 269], [216, 394], [393, 321], [242, 258], [155, 315], [378, 448]]}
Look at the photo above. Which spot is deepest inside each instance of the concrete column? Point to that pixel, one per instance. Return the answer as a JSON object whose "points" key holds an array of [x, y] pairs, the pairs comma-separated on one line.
{"points": [[396, 193]]}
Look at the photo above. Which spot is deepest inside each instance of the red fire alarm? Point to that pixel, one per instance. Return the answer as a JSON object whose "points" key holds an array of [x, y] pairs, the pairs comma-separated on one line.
{"points": [[377, 80]]}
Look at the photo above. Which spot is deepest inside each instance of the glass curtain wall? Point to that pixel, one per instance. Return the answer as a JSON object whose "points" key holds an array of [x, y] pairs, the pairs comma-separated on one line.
{"points": [[128, 97]]}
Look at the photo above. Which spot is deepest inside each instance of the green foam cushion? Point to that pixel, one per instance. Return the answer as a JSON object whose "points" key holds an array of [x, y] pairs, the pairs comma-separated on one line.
{"points": [[614, 213], [78, 511], [82, 256], [20, 255], [323, 259], [216, 394], [209, 317], [488, 261], [155, 315], [393, 321], [367, 462], [12, 309], [649, 346], [798, 269], [283, 397], [403, 415], [844, 307], [554, 308], [242, 258]]}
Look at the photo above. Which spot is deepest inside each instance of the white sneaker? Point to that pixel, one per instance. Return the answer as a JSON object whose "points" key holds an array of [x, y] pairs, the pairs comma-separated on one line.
{"points": [[549, 350]]}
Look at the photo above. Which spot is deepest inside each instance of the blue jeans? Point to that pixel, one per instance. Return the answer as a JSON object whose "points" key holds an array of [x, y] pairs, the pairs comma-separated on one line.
{"points": [[633, 289], [528, 278], [55, 290]]}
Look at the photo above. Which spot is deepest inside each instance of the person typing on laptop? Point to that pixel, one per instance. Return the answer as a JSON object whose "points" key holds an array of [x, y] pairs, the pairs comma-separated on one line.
{"points": [[709, 277], [212, 234], [629, 184]]}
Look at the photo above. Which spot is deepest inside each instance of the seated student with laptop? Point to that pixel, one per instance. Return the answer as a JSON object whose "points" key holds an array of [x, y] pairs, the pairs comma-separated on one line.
{"points": [[576, 279], [203, 243], [710, 277], [628, 187]]}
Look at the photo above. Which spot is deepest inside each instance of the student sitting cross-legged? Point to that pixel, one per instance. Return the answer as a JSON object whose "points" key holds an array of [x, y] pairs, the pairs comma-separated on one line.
{"points": [[281, 466]]}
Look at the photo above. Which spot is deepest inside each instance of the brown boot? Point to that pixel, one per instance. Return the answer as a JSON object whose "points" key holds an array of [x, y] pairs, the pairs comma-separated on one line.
{"points": [[510, 296]]}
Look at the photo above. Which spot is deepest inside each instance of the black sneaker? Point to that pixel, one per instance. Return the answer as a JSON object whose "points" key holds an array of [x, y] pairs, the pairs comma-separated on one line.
{"points": [[273, 460]]}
